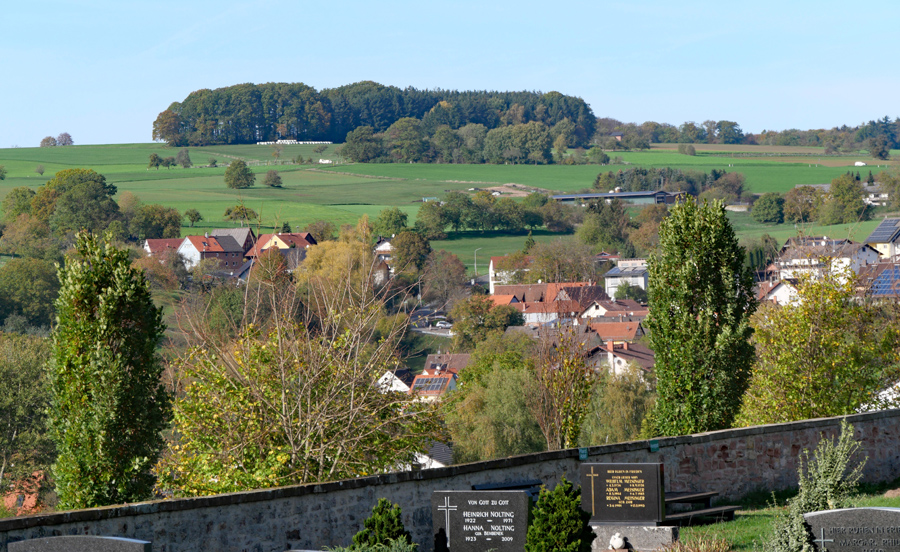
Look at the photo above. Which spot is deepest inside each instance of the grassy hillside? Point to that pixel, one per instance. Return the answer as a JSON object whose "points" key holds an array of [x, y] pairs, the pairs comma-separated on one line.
{"points": [[343, 193]]}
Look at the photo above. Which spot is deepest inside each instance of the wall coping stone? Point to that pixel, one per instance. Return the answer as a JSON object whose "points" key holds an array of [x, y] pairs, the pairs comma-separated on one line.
{"points": [[171, 505]]}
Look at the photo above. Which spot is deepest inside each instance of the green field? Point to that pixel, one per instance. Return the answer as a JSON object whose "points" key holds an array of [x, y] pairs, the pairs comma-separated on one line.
{"points": [[342, 193]]}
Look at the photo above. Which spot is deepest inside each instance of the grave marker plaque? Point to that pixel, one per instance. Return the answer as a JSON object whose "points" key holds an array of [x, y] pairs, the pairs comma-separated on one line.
{"points": [[478, 521], [623, 494], [856, 530]]}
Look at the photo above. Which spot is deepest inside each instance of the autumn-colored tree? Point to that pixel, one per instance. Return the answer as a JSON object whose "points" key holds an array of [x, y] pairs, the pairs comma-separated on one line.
{"points": [[802, 204], [443, 278], [293, 403], [65, 139], [565, 382], [827, 353]]}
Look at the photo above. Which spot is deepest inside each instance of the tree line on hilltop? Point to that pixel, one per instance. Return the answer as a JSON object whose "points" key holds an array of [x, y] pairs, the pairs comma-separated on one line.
{"points": [[249, 113], [450, 126]]}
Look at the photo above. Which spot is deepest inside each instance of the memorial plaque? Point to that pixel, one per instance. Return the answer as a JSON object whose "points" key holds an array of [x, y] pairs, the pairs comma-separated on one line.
{"points": [[478, 521], [856, 530], [630, 494], [80, 543]]}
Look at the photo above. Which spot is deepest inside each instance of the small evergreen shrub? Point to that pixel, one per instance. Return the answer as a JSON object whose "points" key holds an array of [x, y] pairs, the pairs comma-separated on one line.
{"points": [[559, 524], [827, 481], [383, 526], [398, 545]]}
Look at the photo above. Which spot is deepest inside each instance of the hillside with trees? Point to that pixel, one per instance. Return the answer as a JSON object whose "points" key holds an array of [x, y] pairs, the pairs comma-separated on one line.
{"points": [[248, 113]]}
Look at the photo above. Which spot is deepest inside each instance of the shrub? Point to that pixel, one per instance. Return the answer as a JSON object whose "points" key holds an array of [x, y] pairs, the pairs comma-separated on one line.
{"points": [[559, 523], [382, 527], [825, 484], [398, 545]]}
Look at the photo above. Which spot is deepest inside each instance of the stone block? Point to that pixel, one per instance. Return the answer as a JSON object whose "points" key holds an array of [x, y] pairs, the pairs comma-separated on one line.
{"points": [[640, 538]]}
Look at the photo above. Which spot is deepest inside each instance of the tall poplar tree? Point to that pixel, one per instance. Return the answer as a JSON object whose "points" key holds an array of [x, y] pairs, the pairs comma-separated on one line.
{"points": [[108, 405], [701, 299]]}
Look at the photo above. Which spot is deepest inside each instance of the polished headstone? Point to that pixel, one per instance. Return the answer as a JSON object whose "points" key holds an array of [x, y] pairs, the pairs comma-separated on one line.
{"points": [[478, 521], [856, 530], [80, 543], [630, 494]]}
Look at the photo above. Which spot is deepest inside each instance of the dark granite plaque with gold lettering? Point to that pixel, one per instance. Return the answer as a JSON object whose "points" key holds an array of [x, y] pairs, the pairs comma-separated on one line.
{"points": [[479, 521], [624, 493]]}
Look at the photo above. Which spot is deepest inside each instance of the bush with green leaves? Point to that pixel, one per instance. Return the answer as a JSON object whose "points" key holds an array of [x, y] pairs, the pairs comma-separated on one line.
{"points": [[396, 545], [559, 524], [828, 481], [383, 526]]}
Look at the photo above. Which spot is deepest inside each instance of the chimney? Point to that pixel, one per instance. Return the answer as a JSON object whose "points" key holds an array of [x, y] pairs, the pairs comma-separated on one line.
{"points": [[625, 345], [610, 345]]}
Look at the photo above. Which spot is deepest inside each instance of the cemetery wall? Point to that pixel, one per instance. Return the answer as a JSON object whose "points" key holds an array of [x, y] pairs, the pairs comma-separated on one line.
{"points": [[732, 462]]}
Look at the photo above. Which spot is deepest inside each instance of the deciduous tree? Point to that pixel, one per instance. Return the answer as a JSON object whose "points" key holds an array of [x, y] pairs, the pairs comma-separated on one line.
{"points": [[769, 209], [17, 202], [193, 216], [240, 213], [561, 397], [321, 230], [48, 142], [64, 139], [28, 288], [291, 403], [802, 204], [238, 175], [183, 158], [25, 445], [108, 406], [701, 299], [273, 179], [411, 250], [826, 354], [390, 221], [477, 317]]}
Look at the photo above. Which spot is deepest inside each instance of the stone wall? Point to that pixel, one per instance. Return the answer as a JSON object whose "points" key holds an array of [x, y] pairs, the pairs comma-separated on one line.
{"points": [[732, 462]]}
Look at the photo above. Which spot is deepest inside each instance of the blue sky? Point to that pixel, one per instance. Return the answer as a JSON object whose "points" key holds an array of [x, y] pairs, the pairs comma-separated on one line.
{"points": [[103, 69]]}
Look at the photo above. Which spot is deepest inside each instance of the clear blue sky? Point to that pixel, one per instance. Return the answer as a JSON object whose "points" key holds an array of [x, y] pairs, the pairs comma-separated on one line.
{"points": [[103, 69]]}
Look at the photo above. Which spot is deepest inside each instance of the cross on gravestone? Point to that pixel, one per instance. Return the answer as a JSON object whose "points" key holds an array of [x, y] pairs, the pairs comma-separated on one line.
{"points": [[479, 521], [855, 529], [447, 508], [629, 494], [823, 540]]}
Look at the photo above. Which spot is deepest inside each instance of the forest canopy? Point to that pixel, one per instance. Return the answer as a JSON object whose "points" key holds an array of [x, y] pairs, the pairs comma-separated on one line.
{"points": [[249, 113]]}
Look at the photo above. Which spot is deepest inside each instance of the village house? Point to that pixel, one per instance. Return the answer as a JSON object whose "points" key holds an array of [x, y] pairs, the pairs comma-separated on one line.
{"points": [[157, 247], [628, 271], [815, 255], [886, 239], [621, 309], [225, 249]]}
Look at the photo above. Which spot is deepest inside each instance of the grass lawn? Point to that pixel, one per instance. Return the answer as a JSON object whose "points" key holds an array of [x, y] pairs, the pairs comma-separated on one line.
{"points": [[753, 523], [489, 244]]}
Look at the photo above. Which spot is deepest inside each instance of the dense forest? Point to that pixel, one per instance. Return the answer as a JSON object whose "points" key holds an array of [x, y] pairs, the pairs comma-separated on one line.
{"points": [[248, 113]]}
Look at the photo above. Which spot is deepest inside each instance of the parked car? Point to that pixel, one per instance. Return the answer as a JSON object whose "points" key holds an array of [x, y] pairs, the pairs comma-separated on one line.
{"points": [[443, 324]]}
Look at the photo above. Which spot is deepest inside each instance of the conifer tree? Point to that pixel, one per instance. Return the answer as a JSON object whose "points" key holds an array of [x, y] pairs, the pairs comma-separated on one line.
{"points": [[108, 405], [559, 524]]}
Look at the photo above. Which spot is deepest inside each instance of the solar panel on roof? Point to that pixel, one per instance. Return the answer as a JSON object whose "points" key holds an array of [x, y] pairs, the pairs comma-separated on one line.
{"points": [[887, 283], [885, 232]]}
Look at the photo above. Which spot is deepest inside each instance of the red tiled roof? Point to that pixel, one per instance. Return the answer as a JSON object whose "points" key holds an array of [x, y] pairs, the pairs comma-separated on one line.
{"points": [[621, 331], [160, 245], [452, 363], [499, 300], [204, 244], [260, 243]]}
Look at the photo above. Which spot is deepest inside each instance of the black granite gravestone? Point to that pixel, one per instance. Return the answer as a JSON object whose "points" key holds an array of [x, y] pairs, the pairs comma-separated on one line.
{"points": [[477, 521], [623, 494], [856, 530], [80, 543]]}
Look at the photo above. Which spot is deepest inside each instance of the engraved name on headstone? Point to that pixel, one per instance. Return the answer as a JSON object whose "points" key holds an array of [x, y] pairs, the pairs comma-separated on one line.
{"points": [[623, 493], [477, 521], [856, 530]]}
